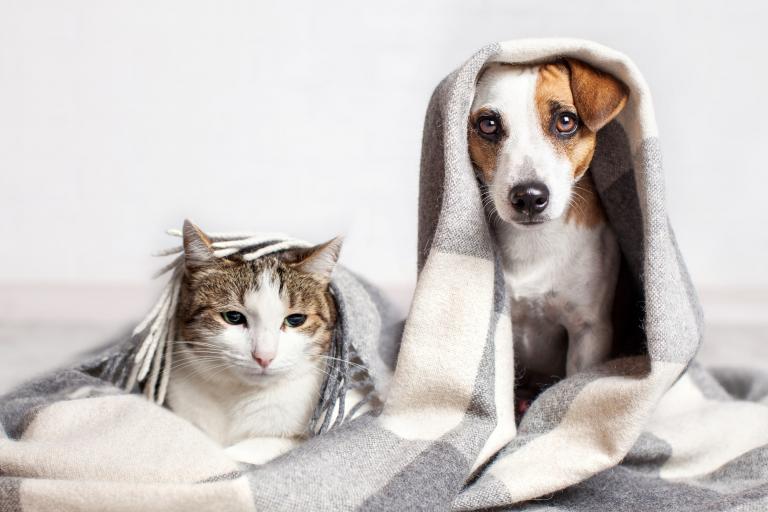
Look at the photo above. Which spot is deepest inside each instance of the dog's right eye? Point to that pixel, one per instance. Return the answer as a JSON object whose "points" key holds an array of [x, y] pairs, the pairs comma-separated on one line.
{"points": [[488, 126], [566, 123]]}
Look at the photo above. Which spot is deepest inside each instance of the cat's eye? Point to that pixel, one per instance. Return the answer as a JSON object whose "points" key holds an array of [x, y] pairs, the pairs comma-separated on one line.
{"points": [[295, 320], [234, 317]]}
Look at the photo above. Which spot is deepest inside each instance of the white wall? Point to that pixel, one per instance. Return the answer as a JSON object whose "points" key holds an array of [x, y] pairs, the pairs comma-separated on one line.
{"points": [[118, 119]]}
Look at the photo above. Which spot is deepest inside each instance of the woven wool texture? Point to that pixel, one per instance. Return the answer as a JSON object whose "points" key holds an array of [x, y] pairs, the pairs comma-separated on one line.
{"points": [[645, 432]]}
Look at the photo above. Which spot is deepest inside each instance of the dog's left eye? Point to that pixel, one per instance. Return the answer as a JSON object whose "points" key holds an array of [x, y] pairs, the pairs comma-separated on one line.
{"points": [[566, 123], [488, 126]]}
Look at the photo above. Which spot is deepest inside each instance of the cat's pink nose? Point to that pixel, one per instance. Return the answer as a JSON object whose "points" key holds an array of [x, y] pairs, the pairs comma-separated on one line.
{"points": [[263, 361]]}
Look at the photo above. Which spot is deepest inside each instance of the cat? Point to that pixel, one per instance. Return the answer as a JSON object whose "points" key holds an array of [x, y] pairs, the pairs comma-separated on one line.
{"points": [[253, 343]]}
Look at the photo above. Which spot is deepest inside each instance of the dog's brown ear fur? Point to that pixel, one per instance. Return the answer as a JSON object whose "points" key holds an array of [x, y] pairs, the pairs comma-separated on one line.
{"points": [[599, 97]]}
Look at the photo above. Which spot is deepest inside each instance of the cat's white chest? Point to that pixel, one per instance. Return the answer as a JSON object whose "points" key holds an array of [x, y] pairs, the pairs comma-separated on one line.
{"points": [[231, 412], [281, 410]]}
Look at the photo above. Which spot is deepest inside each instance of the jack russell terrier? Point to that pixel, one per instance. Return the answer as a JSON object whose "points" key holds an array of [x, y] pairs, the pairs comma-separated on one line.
{"points": [[532, 133]]}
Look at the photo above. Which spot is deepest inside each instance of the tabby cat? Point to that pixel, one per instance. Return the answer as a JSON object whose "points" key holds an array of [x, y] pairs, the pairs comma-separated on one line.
{"points": [[254, 341]]}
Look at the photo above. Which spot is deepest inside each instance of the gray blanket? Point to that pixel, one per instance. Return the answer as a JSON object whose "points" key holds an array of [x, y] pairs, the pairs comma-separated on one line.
{"points": [[649, 430]]}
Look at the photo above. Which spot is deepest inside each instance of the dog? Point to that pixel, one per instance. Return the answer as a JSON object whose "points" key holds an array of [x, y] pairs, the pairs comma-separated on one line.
{"points": [[532, 135]]}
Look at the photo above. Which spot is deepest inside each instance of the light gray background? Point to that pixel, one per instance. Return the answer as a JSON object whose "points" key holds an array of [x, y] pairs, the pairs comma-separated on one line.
{"points": [[119, 119]]}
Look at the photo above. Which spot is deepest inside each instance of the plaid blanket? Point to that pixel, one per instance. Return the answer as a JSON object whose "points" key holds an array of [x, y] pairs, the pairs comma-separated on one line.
{"points": [[650, 430]]}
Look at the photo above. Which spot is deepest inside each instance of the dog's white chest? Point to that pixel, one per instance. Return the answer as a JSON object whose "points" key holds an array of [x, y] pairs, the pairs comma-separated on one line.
{"points": [[560, 280]]}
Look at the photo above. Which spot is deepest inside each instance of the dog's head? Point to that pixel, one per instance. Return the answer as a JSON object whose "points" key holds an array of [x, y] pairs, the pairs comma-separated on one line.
{"points": [[532, 133]]}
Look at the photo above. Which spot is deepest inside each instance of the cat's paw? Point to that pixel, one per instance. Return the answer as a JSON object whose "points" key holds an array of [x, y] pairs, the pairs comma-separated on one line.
{"points": [[260, 450]]}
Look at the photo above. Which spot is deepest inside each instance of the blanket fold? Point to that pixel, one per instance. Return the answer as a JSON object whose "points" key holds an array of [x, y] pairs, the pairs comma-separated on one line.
{"points": [[648, 430]]}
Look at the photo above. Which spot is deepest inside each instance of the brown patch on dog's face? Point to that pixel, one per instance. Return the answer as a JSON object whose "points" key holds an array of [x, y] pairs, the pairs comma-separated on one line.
{"points": [[484, 150], [579, 94], [586, 209], [555, 103]]}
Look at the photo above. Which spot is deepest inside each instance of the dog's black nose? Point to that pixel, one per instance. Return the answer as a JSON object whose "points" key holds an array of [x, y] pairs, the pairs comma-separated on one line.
{"points": [[529, 198]]}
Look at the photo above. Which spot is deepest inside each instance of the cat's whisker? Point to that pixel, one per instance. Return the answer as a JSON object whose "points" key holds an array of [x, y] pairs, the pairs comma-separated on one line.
{"points": [[200, 343], [186, 379], [322, 372], [202, 358], [207, 348], [362, 367], [195, 364], [205, 371], [199, 357], [205, 351], [193, 348]]}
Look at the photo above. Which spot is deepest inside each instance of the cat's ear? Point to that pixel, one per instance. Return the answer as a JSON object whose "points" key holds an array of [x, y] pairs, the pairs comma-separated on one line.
{"points": [[198, 248], [320, 260]]}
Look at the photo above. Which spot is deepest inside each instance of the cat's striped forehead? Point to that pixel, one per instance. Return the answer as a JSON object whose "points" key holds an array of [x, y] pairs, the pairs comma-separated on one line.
{"points": [[231, 282]]}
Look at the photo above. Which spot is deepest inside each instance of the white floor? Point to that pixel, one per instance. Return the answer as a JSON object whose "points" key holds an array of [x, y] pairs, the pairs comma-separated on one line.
{"points": [[44, 327]]}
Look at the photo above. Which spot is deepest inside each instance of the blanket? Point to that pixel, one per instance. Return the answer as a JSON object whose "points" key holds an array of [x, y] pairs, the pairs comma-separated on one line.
{"points": [[648, 430]]}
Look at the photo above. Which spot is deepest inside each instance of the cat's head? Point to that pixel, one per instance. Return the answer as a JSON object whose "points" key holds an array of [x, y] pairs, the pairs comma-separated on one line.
{"points": [[256, 320]]}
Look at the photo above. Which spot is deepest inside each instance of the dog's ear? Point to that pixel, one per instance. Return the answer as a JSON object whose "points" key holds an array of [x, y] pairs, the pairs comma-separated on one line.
{"points": [[599, 97]]}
